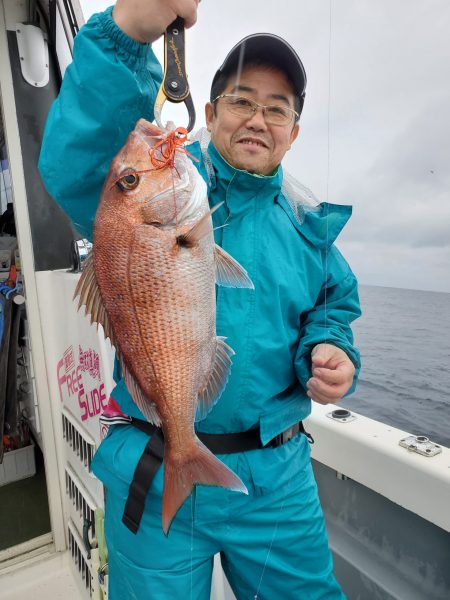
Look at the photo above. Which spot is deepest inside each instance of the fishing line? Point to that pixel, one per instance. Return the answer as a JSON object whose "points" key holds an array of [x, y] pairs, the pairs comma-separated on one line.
{"points": [[167, 148], [275, 529], [328, 169], [174, 197], [240, 65], [280, 512], [193, 496]]}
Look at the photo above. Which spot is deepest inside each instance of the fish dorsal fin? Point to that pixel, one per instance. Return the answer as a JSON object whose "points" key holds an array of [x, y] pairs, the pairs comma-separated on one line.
{"points": [[229, 273], [217, 380], [147, 407], [89, 296], [202, 228]]}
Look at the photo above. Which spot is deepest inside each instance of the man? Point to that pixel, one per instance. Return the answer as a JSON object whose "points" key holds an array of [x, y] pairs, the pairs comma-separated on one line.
{"points": [[291, 335]]}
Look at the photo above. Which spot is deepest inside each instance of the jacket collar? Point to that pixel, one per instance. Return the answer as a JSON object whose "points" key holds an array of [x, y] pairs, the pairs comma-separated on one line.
{"points": [[320, 225], [247, 185]]}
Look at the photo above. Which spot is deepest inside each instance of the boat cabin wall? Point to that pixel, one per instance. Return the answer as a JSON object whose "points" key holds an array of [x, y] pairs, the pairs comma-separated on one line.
{"points": [[44, 232], [51, 230]]}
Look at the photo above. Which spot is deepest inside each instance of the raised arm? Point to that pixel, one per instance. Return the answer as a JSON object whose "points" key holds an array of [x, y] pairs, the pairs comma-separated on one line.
{"points": [[111, 83]]}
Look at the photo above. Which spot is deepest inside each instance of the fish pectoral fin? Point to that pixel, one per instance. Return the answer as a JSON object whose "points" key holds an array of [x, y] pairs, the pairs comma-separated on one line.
{"points": [[202, 228], [229, 273], [146, 406], [89, 296], [217, 380]]}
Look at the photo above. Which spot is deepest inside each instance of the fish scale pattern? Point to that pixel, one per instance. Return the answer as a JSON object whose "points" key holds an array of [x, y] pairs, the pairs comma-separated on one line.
{"points": [[159, 295], [178, 319]]}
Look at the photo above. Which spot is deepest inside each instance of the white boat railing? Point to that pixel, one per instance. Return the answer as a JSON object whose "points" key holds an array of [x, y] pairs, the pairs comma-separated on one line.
{"points": [[369, 452]]}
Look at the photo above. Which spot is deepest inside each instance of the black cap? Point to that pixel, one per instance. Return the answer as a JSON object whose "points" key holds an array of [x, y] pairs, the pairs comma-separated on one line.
{"points": [[266, 47]]}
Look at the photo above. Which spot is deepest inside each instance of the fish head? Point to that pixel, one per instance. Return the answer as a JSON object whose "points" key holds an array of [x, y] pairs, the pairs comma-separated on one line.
{"points": [[152, 180]]}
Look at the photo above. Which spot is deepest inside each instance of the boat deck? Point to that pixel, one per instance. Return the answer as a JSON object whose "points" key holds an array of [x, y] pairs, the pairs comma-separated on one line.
{"points": [[41, 580], [54, 578]]}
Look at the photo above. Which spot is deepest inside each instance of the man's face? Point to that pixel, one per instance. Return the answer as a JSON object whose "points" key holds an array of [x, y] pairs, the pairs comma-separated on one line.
{"points": [[252, 144]]}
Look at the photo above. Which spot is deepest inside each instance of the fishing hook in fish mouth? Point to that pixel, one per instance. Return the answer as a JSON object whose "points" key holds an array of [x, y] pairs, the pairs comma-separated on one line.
{"points": [[167, 147]]}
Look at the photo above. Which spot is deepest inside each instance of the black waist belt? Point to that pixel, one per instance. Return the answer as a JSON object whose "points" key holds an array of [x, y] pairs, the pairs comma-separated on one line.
{"points": [[218, 443]]}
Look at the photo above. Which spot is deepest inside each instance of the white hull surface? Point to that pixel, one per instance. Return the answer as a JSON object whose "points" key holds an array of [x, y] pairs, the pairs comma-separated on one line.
{"points": [[386, 508]]}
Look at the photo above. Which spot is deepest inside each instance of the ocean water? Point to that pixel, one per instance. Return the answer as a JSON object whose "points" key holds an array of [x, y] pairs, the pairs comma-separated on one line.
{"points": [[404, 339]]}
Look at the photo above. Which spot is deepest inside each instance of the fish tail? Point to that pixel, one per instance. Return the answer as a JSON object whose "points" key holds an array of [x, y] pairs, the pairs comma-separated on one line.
{"points": [[199, 466]]}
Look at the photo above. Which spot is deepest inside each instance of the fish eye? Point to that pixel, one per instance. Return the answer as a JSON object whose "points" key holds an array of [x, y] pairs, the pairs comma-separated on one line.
{"points": [[128, 182]]}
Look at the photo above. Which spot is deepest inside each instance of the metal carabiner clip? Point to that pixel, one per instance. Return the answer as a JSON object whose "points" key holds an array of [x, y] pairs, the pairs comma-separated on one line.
{"points": [[175, 87]]}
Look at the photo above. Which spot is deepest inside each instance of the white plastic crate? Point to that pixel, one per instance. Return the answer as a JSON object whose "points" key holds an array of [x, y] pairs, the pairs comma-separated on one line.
{"points": [[17, 464]]}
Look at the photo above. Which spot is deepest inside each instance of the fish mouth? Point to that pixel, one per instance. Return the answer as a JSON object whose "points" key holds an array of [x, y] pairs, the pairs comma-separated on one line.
{"points": [[252, 141]]}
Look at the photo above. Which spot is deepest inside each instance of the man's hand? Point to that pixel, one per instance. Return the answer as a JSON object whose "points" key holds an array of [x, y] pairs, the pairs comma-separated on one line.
{"points": [[332, 372], [146, 20]]}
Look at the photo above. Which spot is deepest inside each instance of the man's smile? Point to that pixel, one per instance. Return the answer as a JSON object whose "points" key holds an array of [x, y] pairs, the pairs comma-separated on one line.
{"points": [[252, 141]]}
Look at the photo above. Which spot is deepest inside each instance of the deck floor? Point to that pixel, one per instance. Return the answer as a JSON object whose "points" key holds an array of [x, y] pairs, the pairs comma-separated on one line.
{"points": [[51, 579], [24, 513]]}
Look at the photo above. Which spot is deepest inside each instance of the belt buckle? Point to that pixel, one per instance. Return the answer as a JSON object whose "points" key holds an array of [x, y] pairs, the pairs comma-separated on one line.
{"points": [[288, 434], [282, 438], [285, 436], [277, 441]]}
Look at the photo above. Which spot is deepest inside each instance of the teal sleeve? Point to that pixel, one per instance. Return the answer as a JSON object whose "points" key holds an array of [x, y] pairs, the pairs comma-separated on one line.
{"points": [[329, 321], [111, 83]]}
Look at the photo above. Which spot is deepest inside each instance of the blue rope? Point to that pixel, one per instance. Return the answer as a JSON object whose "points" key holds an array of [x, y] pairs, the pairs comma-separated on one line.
{"points": [[7, 291]]}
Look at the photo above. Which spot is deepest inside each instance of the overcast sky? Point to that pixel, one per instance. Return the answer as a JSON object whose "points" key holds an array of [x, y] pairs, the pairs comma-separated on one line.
{"points": [[389, 119]]}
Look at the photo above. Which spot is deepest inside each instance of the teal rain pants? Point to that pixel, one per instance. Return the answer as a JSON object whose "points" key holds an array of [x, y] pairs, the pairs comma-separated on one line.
{"points": [[272, 542]]}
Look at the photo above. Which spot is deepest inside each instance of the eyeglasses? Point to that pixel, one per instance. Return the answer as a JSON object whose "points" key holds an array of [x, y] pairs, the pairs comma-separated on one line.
{"points": [[245, 107]]}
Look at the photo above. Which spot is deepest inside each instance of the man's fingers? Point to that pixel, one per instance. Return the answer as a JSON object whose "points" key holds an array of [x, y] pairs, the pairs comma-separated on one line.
{"points": [[189, 12], [319, 360], [326, 392], [321, 399], [334, 376], [146, 20]]}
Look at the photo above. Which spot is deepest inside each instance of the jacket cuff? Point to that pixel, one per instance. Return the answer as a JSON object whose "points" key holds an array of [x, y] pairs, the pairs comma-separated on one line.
{"points": [[118, 36]]}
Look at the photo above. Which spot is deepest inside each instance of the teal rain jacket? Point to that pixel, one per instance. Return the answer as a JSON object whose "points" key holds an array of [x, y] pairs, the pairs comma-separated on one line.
{"points": [[293, 263]]}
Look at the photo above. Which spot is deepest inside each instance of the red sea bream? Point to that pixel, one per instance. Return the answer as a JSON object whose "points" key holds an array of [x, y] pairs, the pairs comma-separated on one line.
{"points": [[150, 283]]}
